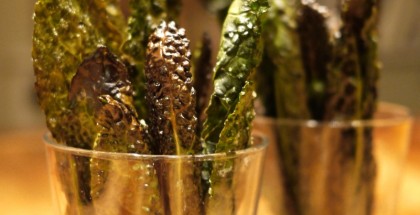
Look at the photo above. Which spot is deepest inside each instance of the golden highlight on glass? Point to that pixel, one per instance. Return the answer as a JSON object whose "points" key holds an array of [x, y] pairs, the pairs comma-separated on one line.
{"points": [[329, 172]]}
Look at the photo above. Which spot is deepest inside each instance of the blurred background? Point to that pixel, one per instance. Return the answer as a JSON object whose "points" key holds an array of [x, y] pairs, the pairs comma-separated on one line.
{"points": [[399, 51]]}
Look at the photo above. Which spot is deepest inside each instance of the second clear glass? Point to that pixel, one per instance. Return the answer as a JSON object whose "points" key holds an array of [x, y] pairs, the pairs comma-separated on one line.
{"points": [[337, 167]]}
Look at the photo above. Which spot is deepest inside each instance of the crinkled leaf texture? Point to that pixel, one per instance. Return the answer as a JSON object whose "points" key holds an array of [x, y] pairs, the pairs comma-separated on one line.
{"points": [[239, 55]]}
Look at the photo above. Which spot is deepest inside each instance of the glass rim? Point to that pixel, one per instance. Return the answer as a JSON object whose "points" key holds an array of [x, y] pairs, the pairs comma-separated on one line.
{"points": [[398, 114], [262, 144]]}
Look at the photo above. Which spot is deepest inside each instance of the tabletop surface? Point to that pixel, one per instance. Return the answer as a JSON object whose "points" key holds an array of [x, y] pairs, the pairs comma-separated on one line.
{"points": [[24, 182]]}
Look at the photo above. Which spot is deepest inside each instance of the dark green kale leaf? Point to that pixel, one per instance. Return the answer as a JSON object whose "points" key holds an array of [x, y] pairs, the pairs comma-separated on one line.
{"points": [[229, 114], [236, 132], [234, 136], [239, 55]]}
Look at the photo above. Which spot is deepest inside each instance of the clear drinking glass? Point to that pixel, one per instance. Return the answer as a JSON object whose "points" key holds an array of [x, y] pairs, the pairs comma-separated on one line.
{"points": [[337, 167], [93, 182]]}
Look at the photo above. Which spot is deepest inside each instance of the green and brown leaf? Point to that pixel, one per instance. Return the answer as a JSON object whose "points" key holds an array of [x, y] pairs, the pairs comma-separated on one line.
{"points": [[63, 36], [171, 100], [170, 94]]}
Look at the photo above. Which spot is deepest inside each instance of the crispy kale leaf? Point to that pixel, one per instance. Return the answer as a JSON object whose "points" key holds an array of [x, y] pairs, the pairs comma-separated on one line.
{"points": [[234, 136], [171, 100], [63, 36], [299, 61], [229, 115], [120, 131], [170, 94], [145, 16], [100, 74], [102, 88], [323, 80], [236, 132], [100, 79], [239, 55]]}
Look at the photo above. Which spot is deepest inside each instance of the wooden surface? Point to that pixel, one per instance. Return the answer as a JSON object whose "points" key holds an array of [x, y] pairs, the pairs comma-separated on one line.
{"points": [[24, 185]]}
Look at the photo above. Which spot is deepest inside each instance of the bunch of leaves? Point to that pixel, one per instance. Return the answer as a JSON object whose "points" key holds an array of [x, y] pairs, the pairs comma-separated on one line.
{"points": [[322, 73], [82, 90], [105, 85], [334, 67]]}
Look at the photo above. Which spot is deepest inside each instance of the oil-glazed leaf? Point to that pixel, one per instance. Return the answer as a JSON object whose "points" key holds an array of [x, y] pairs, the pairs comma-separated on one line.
{"points": [[171, 100], [239, 54], [170, 94]]}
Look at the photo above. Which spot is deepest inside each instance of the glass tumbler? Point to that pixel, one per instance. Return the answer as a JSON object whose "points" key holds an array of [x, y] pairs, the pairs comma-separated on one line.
{"points": [[336, 167], [95, 182]]}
